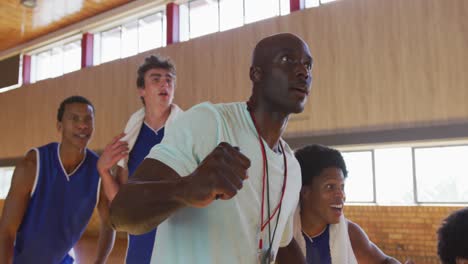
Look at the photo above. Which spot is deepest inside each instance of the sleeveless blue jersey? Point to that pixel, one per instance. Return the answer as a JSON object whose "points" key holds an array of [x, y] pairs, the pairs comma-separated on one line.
{"points": [[59, 208], [318, 248], [140, 247]]}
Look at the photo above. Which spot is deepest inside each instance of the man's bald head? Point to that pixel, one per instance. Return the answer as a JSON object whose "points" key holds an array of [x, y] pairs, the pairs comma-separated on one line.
{"points": [[281, 73], [268, 47]]}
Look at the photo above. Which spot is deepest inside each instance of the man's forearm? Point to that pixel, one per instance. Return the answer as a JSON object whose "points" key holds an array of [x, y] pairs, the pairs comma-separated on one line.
{"points": [[390, 260], [111, 187], [290, 254], [6, 250], [140, 207]]}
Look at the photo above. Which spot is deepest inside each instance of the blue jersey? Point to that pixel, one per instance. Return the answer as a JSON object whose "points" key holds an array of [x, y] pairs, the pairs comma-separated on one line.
{"points": [[318, 248], [59, 209], [140, 247]]}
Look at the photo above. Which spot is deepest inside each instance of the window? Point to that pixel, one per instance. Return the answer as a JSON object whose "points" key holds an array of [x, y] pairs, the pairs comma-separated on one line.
{"points": [[315, 3], [407, 175], [130, 39], [256, 10], [110, 45], [231, 14], [71, 57], [326, 1], [202, 17], [56, 61], [359, 186], [394, 176], [441, 174], [312, 3], [133, 37], [151, 32], [6, 174]]}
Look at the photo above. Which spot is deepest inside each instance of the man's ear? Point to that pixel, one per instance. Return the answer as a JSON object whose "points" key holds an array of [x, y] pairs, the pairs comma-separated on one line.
{"points": [[141, 91], [255, 74], [305, 190], [59, 126]]}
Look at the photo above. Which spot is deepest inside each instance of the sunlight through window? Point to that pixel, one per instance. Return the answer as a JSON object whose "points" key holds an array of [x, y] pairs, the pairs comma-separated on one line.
{"points": [[360, 181]]}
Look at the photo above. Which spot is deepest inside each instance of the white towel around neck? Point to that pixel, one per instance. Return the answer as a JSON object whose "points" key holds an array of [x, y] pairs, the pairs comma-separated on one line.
{"points": [[341, 250], [132, 129]]}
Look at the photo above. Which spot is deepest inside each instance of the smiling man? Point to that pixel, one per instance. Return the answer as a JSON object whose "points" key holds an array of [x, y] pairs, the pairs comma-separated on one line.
{"points": [[222, 186], [53, 193], [321, 230]]}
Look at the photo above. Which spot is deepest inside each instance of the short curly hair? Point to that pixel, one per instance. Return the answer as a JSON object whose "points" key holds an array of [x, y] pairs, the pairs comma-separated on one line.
{"points": [[453, 237], [313, 159], [153, 62], [71, 100]]}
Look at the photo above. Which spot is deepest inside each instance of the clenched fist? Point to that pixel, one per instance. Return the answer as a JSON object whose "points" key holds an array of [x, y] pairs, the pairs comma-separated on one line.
{"points": [[219, 175]]}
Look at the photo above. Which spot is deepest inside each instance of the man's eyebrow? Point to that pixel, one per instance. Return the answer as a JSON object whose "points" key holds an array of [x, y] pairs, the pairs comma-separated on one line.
{"points": [[160, 75]]}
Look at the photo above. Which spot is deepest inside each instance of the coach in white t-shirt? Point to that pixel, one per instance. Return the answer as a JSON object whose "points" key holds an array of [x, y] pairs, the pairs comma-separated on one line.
{"points": [[222, 186]]}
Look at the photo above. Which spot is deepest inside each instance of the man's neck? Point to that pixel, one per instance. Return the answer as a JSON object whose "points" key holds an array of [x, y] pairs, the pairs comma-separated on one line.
{"points": [[70, 156], [270, 125], [312, 225], [156, 116]]}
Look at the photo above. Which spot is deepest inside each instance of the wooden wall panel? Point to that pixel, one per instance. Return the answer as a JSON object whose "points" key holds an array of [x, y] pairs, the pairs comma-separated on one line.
{"points": [[378, 64]]}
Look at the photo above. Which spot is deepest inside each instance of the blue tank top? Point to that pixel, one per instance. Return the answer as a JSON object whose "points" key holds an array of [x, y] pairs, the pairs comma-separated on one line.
{"points": [[140, 247], [59, 208], [318, 248]]}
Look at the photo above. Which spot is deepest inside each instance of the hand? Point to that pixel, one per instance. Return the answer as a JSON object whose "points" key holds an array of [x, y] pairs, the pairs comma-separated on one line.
{"points": [[113, 152], [409, 261], [220, 175]]}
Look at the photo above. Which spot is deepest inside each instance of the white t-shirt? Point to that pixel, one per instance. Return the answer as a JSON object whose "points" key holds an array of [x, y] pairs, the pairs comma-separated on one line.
{"points": [[224, 231]]}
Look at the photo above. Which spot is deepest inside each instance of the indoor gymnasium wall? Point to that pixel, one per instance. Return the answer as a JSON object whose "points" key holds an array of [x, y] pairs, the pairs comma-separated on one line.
{"points": [[378, 64]]}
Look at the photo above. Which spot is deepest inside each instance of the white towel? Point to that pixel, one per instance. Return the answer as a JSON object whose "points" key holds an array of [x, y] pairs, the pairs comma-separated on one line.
{"points": [[341, 250], [132, 129]]}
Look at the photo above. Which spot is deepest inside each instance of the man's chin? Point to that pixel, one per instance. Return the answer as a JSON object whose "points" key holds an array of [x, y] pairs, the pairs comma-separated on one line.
{"points": [[298, 109]]}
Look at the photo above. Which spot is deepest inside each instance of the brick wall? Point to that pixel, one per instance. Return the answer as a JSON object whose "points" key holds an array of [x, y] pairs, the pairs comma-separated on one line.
{"points": [[402, 231]]}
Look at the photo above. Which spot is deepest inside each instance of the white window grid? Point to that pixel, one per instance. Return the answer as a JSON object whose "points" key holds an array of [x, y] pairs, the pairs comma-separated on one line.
{"points": [[130, 38], [419, 171]]}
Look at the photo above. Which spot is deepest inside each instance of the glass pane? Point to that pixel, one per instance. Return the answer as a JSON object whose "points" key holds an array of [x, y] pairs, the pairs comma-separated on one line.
{"points": [[441, 174], [326, 1], [130, 39], [231, 14], [184, 22], [33, 68], [72, 57], [394, 176], [42, 65], [150, 32], [311, 3], [110, 45], [359, 185], [56, 62], [285, 7], [5, 180], [203, 17], [256, 10], [97, 49]]}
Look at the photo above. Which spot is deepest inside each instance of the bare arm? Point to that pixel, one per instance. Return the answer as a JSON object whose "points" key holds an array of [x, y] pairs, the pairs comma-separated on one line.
{"points": [[156, 191], [290, 254], [16, 204], [106, 233], [364, 250], [113, 152]]}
